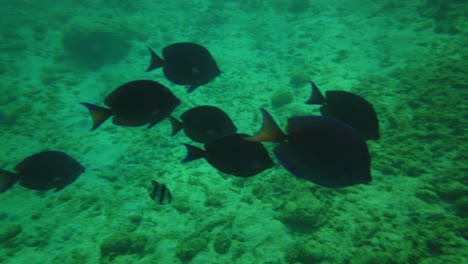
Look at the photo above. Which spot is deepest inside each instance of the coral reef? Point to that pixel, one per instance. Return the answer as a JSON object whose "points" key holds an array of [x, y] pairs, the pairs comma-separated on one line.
{"points": [[95, 43], [281, 97], [9, 233], [191, 246], [122, 243], [222, 243]]}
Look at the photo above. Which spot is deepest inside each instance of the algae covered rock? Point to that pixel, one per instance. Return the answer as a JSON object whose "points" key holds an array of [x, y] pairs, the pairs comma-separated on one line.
{"points": [[95, 43], [122, 243], [299, 79], [461, 207], [451, 192], [222, 243], [9, 233], [304, 214], [365, 256], [189, 247], [281, 97], [301, 252]]}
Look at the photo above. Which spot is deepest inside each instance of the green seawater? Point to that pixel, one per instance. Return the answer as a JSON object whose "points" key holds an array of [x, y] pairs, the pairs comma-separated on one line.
{"points": [[408, 58]]}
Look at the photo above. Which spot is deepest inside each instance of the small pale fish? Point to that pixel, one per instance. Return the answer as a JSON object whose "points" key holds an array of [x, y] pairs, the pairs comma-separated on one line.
{"points": [[159, 192]]}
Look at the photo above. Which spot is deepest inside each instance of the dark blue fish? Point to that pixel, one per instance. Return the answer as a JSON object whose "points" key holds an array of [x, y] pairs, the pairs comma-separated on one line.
{"points": [[159, 192], [204, 123], [43, 171], [349, 108], [232, 154], [135, 103], [320, 149], [186, 63]]}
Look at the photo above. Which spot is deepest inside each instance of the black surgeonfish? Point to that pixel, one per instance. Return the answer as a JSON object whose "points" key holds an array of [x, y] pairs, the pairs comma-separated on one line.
{"points": [[159, 192], [135, 103], [203, 123], [43, 171], [349, 108], [186, 63], [232, 154], [320, 149]]}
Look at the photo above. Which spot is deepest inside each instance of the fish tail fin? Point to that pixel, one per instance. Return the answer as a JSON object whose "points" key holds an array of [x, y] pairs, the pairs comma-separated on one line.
{"points": [[99, 114], [156, 61], [193, 153], [7, 179], [270, 131], [176, 125], [316, 97]]}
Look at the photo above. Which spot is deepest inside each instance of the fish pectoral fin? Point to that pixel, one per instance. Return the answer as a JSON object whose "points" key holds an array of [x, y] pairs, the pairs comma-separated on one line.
{"points": [[99, 114], [7, 179]]}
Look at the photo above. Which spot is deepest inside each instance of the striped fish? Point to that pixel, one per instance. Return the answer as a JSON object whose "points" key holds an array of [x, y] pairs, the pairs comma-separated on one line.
{"points": [[159, 192]]}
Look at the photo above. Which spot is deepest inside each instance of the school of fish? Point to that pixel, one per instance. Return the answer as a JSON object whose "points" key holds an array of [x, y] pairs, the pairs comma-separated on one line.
{"points": [[329, 150]]}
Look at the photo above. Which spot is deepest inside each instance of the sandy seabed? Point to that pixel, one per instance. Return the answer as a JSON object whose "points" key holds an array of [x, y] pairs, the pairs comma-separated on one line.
{"points": [[409, 58]]}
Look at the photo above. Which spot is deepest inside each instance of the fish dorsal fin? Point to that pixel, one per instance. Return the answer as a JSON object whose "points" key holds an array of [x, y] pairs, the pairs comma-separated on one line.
{"points": [[193, 153], [270, 131], [156, 61], [176, 125], [316, 97]]}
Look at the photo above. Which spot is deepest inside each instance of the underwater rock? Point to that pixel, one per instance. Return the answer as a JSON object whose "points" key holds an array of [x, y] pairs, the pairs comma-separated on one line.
{"points": [[298, 79], [461, 229], [189, 247], [303, 253], [181, 207], [448, 16], [222, 243], [341, 55], [428, 196], [122, 243], [302, 215], [281, 97], [214, 200], [93, 44], [461, 207], [450, 192], [9, 233], [365, 256]]}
